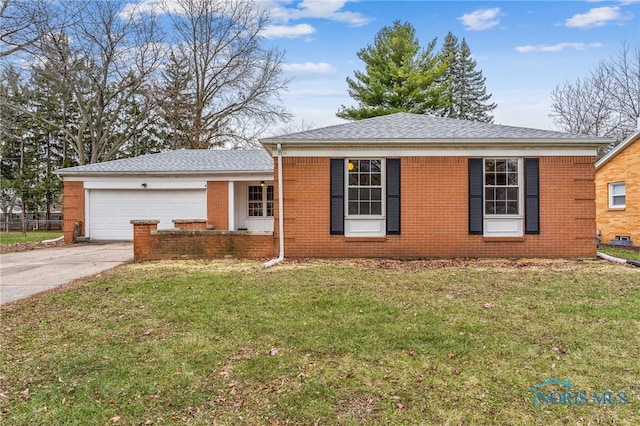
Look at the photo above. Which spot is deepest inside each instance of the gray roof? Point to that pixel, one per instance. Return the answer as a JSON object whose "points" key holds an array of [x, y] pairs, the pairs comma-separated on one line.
{"points": [[190, 161], [419, 127]]}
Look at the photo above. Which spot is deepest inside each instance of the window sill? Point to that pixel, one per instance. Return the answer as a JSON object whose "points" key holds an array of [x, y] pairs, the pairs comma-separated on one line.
{"points": [[503, 239], [617, 209], [365, 239]]}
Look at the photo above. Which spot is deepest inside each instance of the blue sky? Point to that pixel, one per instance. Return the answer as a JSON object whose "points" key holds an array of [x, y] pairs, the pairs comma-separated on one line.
{"points": [[524, 48]]}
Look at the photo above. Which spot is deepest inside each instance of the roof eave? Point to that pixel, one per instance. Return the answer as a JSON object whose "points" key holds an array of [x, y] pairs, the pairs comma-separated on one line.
{"points": [[448, 143], [62, 173], [618, 149]]}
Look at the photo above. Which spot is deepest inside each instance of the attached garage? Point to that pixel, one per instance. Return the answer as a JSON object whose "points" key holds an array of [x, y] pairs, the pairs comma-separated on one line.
{"points": [[185, 184], [110, 211]]}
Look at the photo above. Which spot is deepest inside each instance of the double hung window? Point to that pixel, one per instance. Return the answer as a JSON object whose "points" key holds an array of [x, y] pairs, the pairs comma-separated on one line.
{"points": [[364, 187], [617, 195], [260, 201], [502, 187]]}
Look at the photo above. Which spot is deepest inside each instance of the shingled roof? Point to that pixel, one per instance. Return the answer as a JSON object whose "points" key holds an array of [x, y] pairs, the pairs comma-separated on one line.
{"points": [[426, 128], [182, 162]]}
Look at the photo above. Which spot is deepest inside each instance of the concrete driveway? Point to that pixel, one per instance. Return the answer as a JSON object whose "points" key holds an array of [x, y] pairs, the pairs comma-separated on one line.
{"points": [[25, 273]]}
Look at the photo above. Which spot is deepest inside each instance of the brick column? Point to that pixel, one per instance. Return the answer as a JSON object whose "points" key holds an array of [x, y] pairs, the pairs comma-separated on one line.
{"points": [[141, 238], [73, 208]]}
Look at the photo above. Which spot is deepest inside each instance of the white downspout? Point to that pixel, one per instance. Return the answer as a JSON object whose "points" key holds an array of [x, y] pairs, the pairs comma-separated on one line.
{"points": [[280, 258]]}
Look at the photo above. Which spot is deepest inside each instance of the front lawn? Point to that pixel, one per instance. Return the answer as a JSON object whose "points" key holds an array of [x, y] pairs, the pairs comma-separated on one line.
{"points": [[13, 237], [348, 342]]}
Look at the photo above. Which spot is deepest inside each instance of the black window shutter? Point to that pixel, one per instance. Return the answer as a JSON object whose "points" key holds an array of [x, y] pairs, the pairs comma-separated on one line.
{"points": [[393, 196], [532, 196], [475, 196], [337, 196]]}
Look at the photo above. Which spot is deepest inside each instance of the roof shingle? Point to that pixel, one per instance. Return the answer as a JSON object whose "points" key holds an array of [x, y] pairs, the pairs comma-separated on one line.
{"points": [[183, 161], [406, 126]]}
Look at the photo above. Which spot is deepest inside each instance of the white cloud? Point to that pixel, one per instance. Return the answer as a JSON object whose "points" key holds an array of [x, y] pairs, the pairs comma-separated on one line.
{"points": [[137, 10], [325, 9], [481, 19], [559, 47], [315, 93], [309, 68], [597, 17], [287, 31]]}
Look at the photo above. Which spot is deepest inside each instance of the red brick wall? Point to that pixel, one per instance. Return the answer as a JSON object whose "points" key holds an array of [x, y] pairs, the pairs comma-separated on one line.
{"points": [[73, 208], [180, 244], [217, 204], [434, 209], [190, 224]]}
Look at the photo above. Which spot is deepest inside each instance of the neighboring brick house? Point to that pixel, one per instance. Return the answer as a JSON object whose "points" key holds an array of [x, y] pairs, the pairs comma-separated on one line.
{"points": [[231, 189], [402, 185], [413, 186], [618, 193]]}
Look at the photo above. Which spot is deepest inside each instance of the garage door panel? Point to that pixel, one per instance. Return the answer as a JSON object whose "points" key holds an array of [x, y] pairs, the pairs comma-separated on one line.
{"points": [[111, 211]]}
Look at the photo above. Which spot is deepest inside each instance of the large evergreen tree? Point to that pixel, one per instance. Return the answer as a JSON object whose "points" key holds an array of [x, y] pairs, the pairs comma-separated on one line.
{"points": [[466, 95], [19, 156], [175, 101], [399, 76]]}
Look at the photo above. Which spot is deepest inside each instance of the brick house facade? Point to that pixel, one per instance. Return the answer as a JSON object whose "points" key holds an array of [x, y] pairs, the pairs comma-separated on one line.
{"points": [[439, 227], [434, 196], [397, 186], [618, 192]]}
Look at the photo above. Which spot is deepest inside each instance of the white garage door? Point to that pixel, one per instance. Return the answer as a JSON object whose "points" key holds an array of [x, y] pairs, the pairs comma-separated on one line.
{"points": [[110, 211]]}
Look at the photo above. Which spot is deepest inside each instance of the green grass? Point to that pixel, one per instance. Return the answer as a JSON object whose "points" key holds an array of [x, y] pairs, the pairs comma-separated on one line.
{"points": [[13, 237], [374, 342], [621, 252]]}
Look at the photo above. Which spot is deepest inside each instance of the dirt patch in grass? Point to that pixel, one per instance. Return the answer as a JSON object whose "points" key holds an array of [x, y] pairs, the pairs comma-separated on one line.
{"points": [[18, 247]]}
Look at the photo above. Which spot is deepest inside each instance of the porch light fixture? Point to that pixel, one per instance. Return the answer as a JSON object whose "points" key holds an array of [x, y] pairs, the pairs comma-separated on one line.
{"points": [[262, 183]]}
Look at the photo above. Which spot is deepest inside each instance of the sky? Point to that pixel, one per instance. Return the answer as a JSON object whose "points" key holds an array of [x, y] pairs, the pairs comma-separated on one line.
{"points": [[523, 48]]}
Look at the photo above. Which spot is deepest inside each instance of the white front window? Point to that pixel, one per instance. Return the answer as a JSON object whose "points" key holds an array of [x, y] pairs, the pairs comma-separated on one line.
{"points": [[503, 197], [365, 201], [617, 195], [260, 201]]}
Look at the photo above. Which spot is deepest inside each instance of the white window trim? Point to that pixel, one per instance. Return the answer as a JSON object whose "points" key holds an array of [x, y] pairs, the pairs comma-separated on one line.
{"points": [[612, 205], [365, 225], [504, 225]]}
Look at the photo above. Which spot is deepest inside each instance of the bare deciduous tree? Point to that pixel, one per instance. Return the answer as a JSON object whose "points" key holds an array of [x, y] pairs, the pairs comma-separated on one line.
{"points": [[106, 59], [23, 23], [234, 81], [606, 102]]}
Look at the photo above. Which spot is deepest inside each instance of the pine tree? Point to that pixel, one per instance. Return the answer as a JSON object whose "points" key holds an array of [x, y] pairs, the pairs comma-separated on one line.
{"points": [[465, 95], [399, 76], [176, 102], [19, 158]]}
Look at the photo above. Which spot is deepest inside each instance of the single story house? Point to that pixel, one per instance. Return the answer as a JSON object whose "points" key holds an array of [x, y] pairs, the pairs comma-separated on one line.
{"points": [[618, 193], [401, 185]]}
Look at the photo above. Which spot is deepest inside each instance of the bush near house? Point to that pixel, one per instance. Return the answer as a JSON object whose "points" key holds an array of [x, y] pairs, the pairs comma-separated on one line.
{"points": [[326, 342]]}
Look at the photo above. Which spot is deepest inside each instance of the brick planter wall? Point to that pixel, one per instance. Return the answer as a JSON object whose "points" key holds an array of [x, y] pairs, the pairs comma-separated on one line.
{"points": [[152, 244]]}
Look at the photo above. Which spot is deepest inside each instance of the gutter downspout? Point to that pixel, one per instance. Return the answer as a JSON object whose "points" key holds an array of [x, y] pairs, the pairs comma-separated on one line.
{"points": [[280, 258]]}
